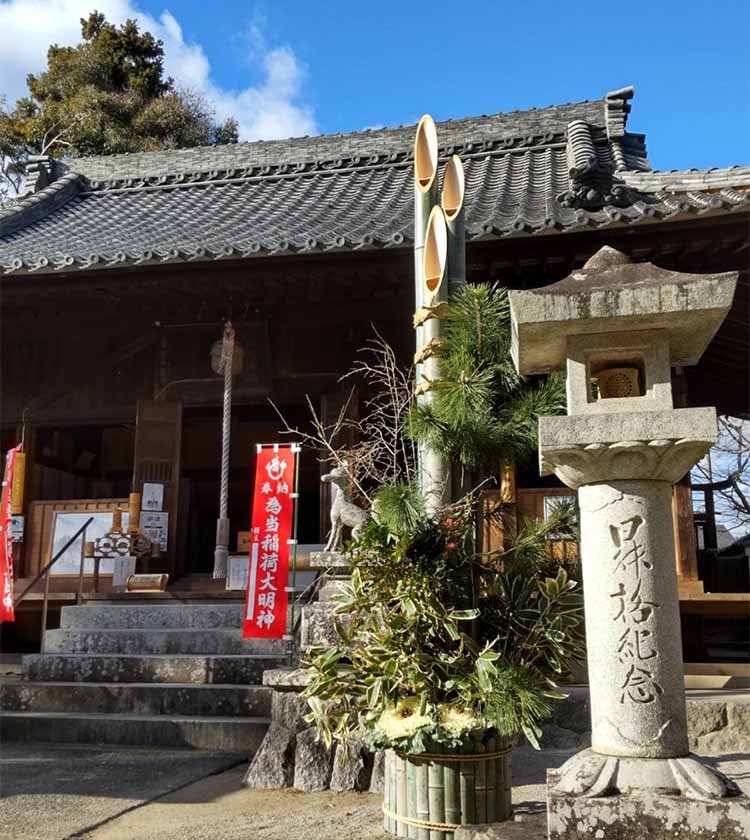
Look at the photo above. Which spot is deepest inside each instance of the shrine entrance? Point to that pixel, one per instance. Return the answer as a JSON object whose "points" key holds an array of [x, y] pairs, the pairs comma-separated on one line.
{"points": [[200, 477]]}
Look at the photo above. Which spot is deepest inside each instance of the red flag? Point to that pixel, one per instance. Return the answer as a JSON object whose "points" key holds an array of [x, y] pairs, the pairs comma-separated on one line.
{"points": [[270, 536], [7, 612]]}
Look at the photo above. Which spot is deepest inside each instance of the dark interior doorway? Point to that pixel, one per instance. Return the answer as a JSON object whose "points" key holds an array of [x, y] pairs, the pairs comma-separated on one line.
{"points": [[201, 459]]}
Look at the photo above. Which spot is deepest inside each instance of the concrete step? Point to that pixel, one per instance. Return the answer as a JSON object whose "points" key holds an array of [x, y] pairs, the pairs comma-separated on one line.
{"points": [[176, 641], [229, 734], [154, 668], [151, 617], [136, 698]]}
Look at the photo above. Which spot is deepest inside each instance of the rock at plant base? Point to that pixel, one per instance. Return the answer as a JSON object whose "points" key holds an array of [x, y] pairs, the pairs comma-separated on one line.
{"points": [[377, 776], [288, 708], [318, 625], [313, 763], [352, 767], [272, 766]]}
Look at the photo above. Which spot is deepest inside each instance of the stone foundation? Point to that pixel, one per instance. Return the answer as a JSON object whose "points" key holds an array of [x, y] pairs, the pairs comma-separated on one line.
{"points": [[291, 755], [657, 817]]}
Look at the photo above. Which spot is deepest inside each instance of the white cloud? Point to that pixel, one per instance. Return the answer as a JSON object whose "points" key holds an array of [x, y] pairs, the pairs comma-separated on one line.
{"points": [[269, 110]]}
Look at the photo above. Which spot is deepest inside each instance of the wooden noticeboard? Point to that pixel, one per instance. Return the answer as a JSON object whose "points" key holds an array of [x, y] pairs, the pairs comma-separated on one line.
{"points": [[41, 518]]}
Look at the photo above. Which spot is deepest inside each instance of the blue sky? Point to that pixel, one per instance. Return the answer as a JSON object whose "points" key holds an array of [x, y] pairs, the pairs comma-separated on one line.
{"points": [[298, 67]]}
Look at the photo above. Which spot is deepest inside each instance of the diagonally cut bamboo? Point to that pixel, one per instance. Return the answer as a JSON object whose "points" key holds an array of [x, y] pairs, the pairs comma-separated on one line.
{"points": [[452, 202], [425, 198], [434, 467]]}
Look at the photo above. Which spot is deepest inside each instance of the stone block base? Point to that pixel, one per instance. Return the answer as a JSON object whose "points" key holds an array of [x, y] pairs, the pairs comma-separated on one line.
{"points": [[291, 755], [652, 815]]}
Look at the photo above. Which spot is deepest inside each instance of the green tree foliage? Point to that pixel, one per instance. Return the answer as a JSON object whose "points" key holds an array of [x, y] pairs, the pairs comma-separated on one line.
{"points": [[106, 95], [483, 412]]}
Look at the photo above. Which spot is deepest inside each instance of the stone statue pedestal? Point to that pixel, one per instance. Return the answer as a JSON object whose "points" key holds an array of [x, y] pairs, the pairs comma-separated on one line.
{"points": [[617, 329], [337, 569]]}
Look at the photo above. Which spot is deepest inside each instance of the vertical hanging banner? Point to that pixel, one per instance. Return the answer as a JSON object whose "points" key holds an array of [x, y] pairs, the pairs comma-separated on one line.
{"points": [[271, 535], [6, 538]]}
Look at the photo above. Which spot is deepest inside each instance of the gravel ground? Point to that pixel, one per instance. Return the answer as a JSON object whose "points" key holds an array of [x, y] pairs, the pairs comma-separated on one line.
{"points": [[52, 791], [90, 793]]}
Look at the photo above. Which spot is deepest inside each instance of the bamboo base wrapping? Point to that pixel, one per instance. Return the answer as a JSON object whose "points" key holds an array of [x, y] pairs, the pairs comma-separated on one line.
{"points": [[428, 796]]}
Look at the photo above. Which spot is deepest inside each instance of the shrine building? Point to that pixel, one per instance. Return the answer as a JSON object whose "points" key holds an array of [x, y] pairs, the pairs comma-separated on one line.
{"points": [[118, 273]]}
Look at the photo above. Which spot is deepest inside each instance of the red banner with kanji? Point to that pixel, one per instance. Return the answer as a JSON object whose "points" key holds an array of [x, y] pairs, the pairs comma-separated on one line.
{"points": [[270, 543], [6, 539]]}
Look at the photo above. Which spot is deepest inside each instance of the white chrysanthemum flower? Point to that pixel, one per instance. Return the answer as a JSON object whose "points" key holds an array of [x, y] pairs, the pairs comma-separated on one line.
{"points": [[457, 720], [403, 720]]}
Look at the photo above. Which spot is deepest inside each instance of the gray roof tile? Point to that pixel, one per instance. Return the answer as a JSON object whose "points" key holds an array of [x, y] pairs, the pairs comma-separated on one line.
{"points": [[560, 168]]}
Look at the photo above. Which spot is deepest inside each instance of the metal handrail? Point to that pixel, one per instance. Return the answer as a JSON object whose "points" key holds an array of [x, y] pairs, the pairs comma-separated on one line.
{"points": [[45, 574]]}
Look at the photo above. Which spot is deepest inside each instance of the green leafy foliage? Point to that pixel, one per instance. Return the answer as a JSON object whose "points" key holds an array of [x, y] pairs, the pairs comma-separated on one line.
{"points": [[399, 507], [482, 412], [435, 645], [108, 94]]}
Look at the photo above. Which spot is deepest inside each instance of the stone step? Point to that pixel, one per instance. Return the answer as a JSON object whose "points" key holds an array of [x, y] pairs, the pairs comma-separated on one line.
{"points": [[229, 734], [158, 641], [136, 698], [151, 617], [154, 668]]}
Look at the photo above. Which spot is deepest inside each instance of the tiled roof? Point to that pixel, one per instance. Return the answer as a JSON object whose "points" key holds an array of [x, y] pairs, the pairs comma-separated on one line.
{"points": [[560, 168]]}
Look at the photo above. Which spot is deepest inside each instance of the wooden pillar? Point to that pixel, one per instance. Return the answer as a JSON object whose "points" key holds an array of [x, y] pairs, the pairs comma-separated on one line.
{"points": [[686, 546]]}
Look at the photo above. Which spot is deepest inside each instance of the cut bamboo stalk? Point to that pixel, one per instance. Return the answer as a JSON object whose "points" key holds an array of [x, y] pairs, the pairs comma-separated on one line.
{"points": [[468, 811], [508, 806], [452, 202], [423, 798], [411, 797], [387, 807], [394, 788], [500, 782], [480, 783], [425, 198], [394, 791], [452, 792], [400, 796], [491, 773], [436, 798], [435, 468]]}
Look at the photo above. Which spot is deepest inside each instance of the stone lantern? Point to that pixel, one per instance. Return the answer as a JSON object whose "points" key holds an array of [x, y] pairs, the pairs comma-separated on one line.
{"points": [[618, 328]]}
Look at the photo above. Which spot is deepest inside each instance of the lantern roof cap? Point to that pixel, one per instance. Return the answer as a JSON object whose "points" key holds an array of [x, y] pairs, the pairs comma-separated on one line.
{"points": [[613, 294]]}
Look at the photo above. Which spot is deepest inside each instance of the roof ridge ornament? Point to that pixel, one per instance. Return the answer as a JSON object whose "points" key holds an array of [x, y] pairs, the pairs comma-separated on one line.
{"points": [[39, 172], [616, 109], [591, 172]]}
